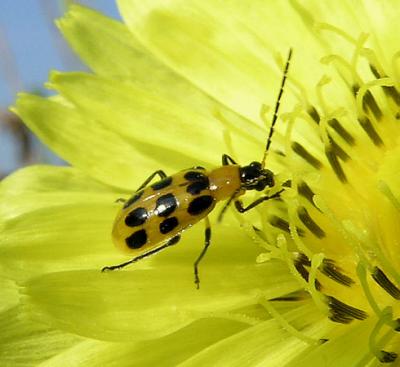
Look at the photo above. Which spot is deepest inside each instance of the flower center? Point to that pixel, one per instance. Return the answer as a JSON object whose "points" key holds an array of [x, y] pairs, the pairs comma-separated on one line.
{"points": [[340, 221]]}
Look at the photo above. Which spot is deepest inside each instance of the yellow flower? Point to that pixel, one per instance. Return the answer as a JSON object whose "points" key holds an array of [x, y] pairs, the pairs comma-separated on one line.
{"points": [[308, 280]]}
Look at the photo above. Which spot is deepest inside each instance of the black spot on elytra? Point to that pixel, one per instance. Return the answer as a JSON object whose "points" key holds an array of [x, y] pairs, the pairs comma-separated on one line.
{"points": [[166, 204], [137, 239], [136, 217], [200, 204], [162, 184], [196, 187], [133, 199], [198, 182], [168, 225], [194, 176]]}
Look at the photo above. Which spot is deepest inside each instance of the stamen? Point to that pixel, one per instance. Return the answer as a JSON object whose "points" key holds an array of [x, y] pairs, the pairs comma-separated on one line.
{"points": [[283, 224], [382, 355], [292, 297], [342, 227], [331, 270], [354, 89], [365, 98], [337, 126], [384, 188], [385, 315], [338, 150], [370, 130], [332, 148], [390, 91], [362, 276], [331, 28], [335, 164], [273, 252], [373, 61], [287, 256], [341, 61], [293, 218], [285, 324], [387, 357], [343, 313], [331, 151], [312, 226], [325, 80], [303, 153], [362, 39], [354, 233], [303, 260], [374, 71], [304, 190], [379, 276], [369, 103], [316, 262], [314, 114], [300, 262], [290, 121]]}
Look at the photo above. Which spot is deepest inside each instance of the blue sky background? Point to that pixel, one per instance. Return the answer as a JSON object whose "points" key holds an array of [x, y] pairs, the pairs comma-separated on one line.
{"points": [[31, 46]]}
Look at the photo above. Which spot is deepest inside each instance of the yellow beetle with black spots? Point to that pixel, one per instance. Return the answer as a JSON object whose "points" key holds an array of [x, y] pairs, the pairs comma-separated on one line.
{"points": [[156, 215]]}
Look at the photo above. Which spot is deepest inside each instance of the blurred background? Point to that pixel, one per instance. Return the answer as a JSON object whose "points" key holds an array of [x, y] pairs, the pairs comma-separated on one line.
{"points": [[31, 46]]}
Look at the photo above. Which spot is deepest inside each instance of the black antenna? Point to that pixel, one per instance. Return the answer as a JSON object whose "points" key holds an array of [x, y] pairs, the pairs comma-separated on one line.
{"points": [[278, 102]]}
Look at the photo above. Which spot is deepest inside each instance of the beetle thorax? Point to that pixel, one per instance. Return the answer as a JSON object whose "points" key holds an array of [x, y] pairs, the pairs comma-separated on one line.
{"points": [[225, 181]]}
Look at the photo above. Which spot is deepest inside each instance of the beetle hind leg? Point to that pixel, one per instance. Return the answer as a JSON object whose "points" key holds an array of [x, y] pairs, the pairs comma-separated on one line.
{"points": [[202, 253], [171, 242]]}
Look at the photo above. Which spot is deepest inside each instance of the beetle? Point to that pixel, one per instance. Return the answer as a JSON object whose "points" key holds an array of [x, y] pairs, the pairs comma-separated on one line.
{"points": [[156, 215]]}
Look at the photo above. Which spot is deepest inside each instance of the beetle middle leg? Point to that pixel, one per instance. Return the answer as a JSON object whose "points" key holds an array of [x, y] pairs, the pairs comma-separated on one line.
{"points": [[160, 173], [203, 252], [227, 160]]}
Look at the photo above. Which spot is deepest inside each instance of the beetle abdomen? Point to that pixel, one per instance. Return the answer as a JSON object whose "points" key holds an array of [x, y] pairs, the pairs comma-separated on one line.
{"points": [[159, 212]]}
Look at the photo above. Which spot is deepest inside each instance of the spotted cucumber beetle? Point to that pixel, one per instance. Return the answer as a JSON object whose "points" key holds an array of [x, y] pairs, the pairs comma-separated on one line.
{"points": [[156, 215]]}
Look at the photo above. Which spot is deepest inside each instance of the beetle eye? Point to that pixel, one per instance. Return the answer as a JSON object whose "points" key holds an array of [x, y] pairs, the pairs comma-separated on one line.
{"points": [[256, 165]]}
